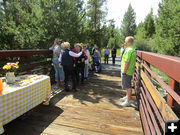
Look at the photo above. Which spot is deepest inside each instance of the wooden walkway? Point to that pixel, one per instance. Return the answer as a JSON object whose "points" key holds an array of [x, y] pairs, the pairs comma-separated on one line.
{"points": [[93, 110]]}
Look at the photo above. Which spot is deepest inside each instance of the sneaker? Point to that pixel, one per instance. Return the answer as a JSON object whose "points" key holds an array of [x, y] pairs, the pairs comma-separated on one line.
{"points": [[123, 99], [125, 103]]}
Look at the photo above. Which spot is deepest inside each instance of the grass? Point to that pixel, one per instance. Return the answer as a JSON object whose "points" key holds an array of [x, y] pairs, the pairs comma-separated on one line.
{"points": [[118, 52], [161, 75]]}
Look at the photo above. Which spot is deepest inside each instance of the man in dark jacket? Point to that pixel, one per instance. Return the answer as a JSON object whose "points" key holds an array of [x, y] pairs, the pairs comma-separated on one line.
{"points": [[113, 52]]}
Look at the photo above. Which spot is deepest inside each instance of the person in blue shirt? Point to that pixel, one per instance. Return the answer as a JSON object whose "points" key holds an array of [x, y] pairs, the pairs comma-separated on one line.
{"points": [[96, 58], [106, 55]]}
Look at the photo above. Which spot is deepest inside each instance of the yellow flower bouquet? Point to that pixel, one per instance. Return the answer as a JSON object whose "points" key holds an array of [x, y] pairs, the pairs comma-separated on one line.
{"points": [[11, 67]]}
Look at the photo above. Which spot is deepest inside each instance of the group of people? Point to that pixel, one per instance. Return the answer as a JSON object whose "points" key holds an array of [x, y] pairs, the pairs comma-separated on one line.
{"points": [[73, 63], [107, 53], [76, 63]]}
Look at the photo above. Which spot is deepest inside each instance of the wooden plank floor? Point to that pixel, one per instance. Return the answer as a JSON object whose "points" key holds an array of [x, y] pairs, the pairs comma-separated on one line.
{"points": [[93, 110]]}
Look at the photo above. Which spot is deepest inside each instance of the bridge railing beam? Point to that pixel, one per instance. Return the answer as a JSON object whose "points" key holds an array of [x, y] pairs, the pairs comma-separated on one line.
{"points": [[157, 109]]}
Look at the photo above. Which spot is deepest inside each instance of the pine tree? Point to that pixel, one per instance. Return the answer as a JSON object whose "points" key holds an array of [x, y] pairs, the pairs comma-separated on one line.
{"points": [[96, 17], [113, 35], [149, 25], [167, 38], [129, 23], [34, 24], [140, 32]]}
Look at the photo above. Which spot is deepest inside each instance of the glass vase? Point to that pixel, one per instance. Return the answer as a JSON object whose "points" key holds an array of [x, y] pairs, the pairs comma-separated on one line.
{"points": [[10, 77]]}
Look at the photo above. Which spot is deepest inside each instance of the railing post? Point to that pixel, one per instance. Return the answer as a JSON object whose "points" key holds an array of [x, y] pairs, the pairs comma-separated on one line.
{"points": [[174, 85], [145, 71], [138, 82]]}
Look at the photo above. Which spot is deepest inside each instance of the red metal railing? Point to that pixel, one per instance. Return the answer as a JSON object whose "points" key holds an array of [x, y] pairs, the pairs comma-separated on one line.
{"points": [[154, 109]]}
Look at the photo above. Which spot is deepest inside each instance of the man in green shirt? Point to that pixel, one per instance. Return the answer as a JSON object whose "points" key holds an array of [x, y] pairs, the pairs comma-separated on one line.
{"points": [[127, 69]]}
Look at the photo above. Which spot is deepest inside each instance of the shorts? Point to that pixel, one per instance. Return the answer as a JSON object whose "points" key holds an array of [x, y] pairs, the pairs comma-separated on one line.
{"points": [[126, 81]]}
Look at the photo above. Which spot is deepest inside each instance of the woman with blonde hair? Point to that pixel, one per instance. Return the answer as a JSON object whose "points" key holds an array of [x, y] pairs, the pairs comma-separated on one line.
{"points": [[59, 73], [67, 63]]}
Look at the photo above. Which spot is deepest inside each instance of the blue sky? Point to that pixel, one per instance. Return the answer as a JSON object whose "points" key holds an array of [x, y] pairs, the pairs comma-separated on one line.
{"points": [[117, 9]]}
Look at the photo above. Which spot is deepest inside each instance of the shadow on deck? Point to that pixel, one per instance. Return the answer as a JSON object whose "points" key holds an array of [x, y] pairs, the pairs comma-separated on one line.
{"points": [[93, 110]]}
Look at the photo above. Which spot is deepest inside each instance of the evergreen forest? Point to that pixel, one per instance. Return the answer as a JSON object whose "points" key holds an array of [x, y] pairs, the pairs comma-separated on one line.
{"points": [[34, 24]]}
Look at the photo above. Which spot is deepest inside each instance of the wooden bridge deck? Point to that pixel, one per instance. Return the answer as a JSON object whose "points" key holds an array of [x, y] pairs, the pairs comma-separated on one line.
{"points": [[93, 110]]}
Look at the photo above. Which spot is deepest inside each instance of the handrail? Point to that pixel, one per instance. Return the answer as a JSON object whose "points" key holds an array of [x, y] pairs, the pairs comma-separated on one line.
{"points": [[31, 61], [156, 109], [17, 53], [167, 64]]}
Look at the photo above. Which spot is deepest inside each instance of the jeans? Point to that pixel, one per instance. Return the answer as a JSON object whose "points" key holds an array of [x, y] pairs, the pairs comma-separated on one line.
{"points": [[106, 58], [59, 73], [86, 71]]}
